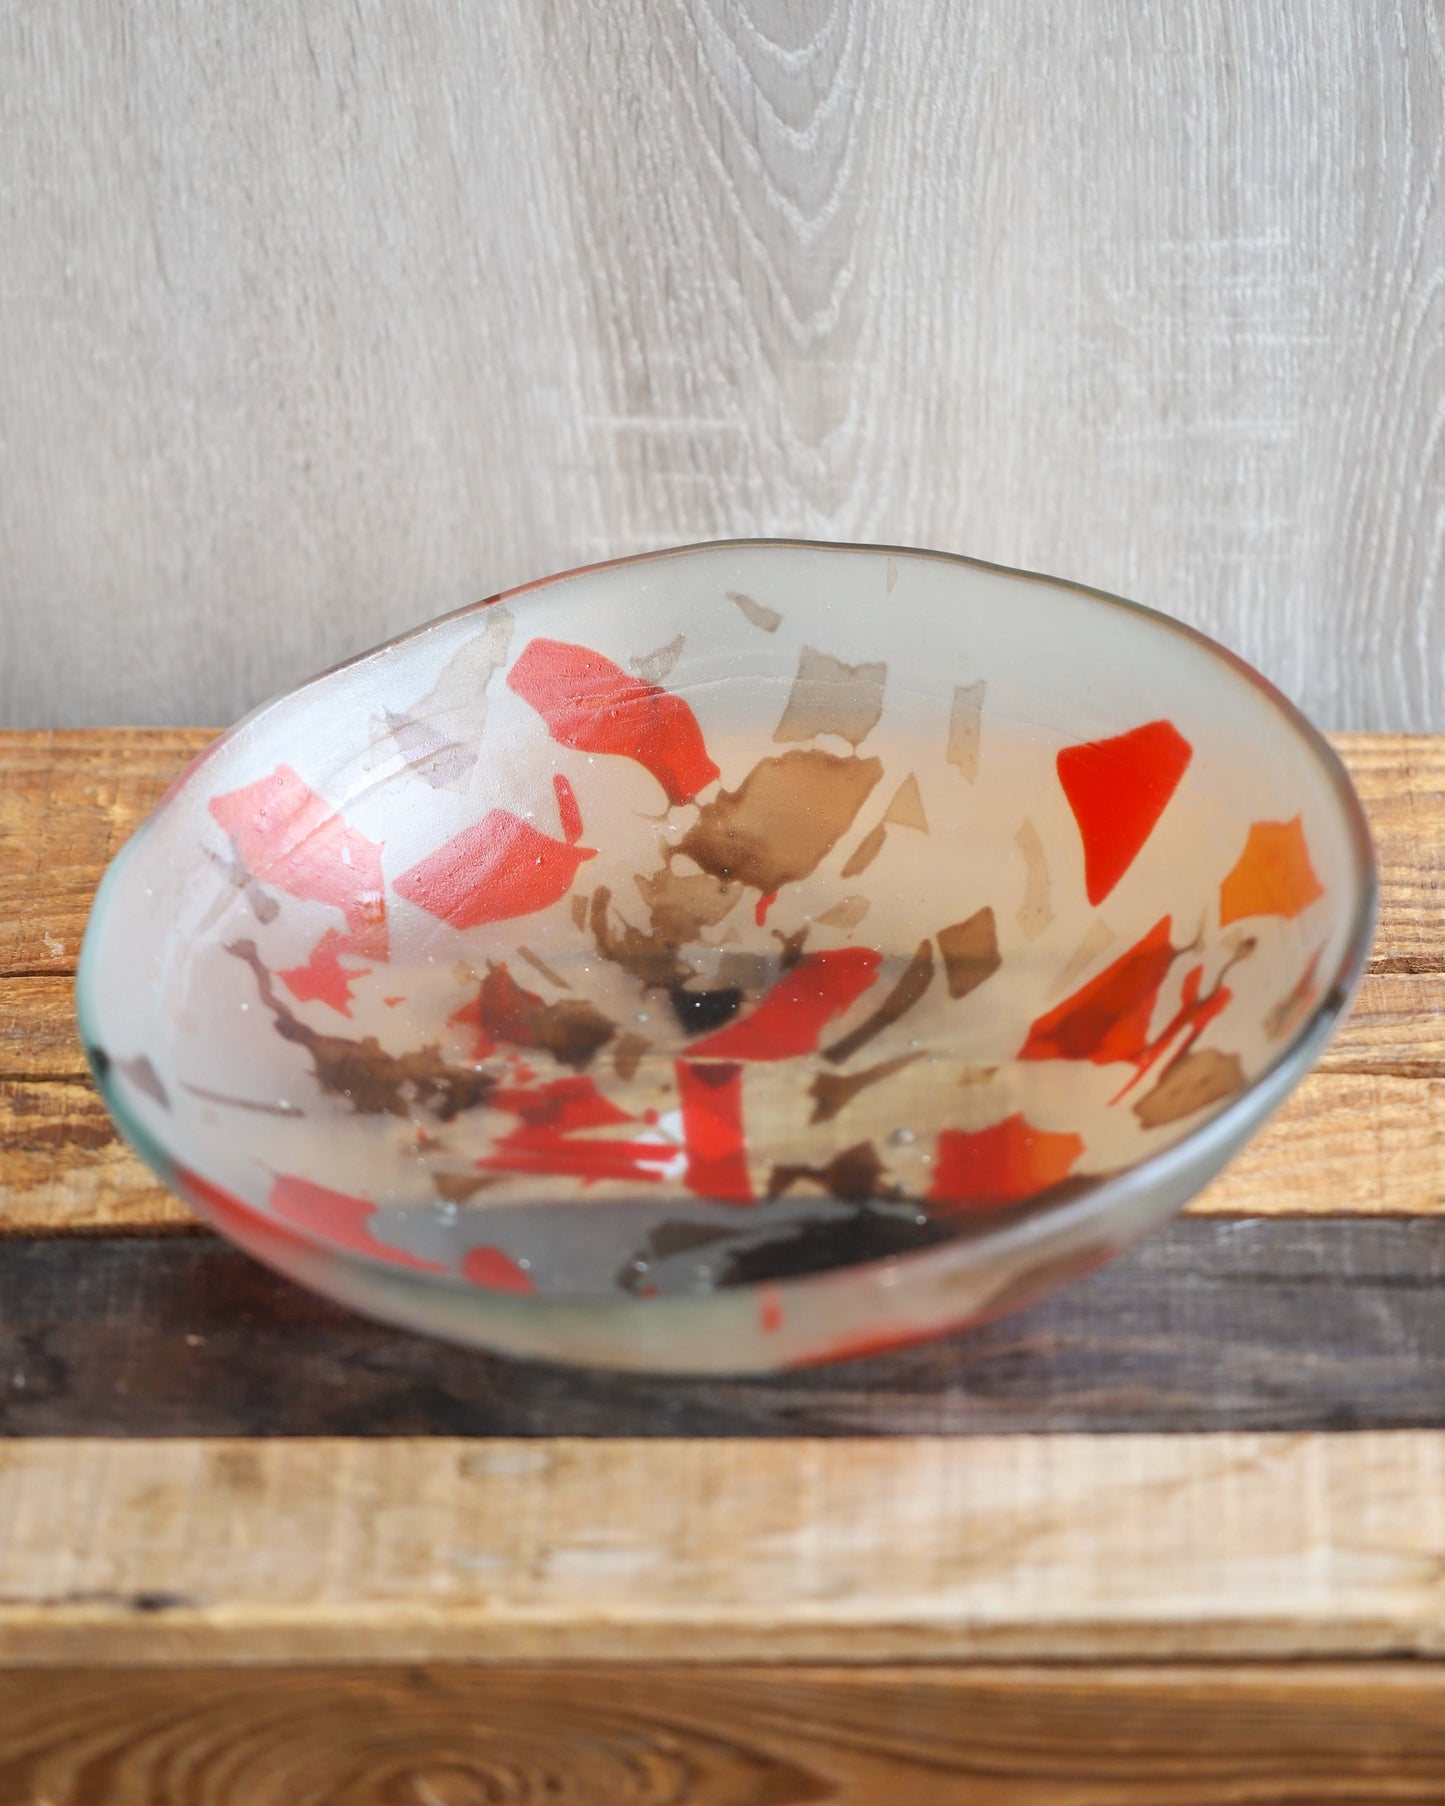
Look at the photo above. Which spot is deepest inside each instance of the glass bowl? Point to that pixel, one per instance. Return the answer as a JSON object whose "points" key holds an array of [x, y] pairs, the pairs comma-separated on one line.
{"points": [[732, 958]]}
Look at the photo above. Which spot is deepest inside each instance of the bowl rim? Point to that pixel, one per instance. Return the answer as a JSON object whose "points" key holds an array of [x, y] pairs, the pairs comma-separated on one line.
{"points": [[1205, 1146]]}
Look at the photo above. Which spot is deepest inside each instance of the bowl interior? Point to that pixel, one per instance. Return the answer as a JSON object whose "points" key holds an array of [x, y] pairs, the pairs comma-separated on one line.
{"points": [[720, 918]]}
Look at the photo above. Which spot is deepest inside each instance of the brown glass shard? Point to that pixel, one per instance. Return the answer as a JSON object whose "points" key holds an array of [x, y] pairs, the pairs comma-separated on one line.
{"points": [[682, 904], [1194, 1081], [751, 972], [790, 946], [263, 905], [627, 1052], [970, 952], [964, 724], [579, 909], [1036, 911], [757, 612], [853, 1176], [145, 1078], [651, 958], [241, 1103], [845, 914], [906, 809], [679, 906], [373, 1081], [834, 1091], [440, 737], [538, 964], [456, 1188], [572, 1030], [786, 815], [829, 697], [917, 977], [655, 667], [866, 851]]}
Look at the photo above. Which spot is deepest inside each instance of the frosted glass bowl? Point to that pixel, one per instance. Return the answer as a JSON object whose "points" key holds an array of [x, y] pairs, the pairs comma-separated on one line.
{"points": [[732, 958]]}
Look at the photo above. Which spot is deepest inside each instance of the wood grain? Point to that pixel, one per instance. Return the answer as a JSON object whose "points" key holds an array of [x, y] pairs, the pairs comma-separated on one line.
{"points": [[1205, 1326], [64, 1168], [899, 1550], [320, 321], [1396, 1029], [587, 1736], [1401, 781], [1364, 1140], [1364, 1134], [1360, 1142], [68, 803]]}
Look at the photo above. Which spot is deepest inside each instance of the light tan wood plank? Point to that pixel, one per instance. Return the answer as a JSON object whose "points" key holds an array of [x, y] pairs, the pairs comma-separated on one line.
{"points": [[65, 1170], [1401, 781], [1364, 1135], [1344, 1143], [890, 1550], [1397, 1026], [68, 803], [595, 1736], [38, 1034]]}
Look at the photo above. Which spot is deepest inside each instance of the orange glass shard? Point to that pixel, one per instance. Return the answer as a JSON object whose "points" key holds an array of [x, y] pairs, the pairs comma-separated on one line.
{"points": [[1273, 877], [1005, 1164]]}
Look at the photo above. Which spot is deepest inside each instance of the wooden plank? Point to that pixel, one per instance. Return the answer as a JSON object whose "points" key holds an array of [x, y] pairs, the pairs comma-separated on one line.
{"points": [[1401, 781], [1351, 1734], [1360, 1142], [68, 802], [1206, 1326], [1396, 1027], [39, 1038], [1343, 1142], [905, 1550], [64, 1166]]}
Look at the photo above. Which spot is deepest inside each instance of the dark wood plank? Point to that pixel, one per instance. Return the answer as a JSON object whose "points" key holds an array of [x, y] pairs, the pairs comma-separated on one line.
{"points": [[587, 1736], [1208, 1325]]}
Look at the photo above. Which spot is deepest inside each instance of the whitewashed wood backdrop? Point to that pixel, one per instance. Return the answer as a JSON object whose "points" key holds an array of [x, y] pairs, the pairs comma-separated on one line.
{"points": [[321, 318]]}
